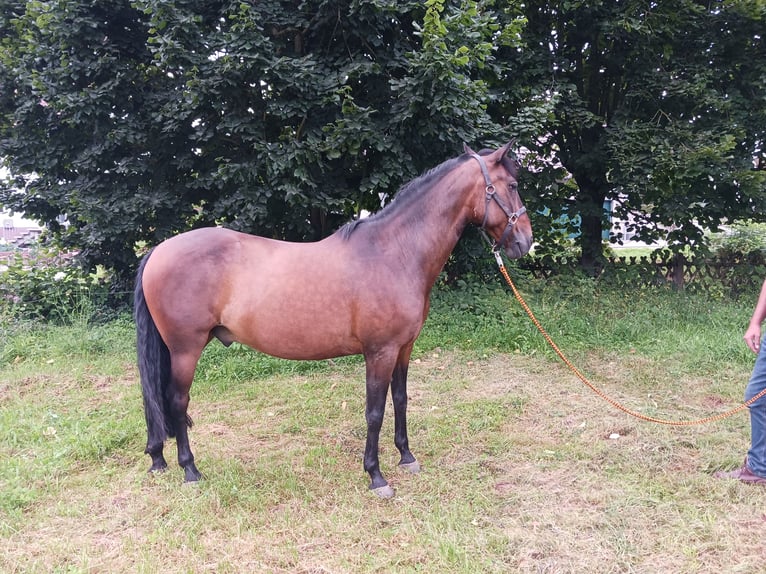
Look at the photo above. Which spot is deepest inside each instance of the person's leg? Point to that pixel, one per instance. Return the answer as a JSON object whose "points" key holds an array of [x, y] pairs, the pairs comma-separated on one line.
{"points": [[756, 456]]}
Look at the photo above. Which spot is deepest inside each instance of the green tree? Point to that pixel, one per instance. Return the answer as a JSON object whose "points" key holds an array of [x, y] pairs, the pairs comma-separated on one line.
{"points": [[283, 118], [76, 113], [658, 105]]}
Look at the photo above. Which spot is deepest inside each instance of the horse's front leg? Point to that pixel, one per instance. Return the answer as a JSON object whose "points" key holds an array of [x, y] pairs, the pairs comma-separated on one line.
{"points": [[399, 397], [379, 369]]}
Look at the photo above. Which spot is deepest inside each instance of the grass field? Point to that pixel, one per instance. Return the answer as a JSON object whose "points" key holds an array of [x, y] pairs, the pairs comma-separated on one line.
{"points": [[524, 469]]}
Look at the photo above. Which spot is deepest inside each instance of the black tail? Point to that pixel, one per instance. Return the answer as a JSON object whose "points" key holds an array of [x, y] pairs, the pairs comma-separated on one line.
{"points": [[153, 366]]}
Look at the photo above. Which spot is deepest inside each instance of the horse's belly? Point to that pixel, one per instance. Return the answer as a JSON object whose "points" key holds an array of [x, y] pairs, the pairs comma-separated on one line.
{"points": [[299, 335], [299, 347], [305, 352]]}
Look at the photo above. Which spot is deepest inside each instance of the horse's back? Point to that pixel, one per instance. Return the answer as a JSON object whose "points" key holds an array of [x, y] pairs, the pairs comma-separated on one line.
{"points": [[203, 242], [197, 259]]}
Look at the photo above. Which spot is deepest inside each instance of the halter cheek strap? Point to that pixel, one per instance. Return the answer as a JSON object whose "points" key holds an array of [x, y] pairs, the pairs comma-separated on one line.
{"points": [[490, 195]]}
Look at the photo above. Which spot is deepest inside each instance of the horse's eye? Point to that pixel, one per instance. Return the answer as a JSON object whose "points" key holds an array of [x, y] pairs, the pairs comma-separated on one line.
{"points": [[513, 186]]}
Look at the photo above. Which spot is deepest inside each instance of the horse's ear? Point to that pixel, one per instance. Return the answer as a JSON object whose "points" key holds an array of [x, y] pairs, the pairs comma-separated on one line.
{"points": [[498, 155], [503, 151], [468, 150]]}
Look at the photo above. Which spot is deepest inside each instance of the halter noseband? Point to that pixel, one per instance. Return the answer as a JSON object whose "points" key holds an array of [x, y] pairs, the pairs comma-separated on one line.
{"points": [[490, 195]]}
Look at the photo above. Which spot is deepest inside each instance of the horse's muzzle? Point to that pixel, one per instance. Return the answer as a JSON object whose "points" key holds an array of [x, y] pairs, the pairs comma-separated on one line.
{"points": [[518, 245]]}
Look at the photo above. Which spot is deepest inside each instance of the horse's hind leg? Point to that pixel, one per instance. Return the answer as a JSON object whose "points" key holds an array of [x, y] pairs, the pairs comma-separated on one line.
{"points": [[399, 397], [158, 460], [182, 366]]}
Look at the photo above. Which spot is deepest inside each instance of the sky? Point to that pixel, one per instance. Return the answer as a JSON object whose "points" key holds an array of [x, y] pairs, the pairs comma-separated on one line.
{"points": [[18, 218]]}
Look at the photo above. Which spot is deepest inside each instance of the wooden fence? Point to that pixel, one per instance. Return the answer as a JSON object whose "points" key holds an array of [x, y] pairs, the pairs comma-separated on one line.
{"points": [[728, 273]]}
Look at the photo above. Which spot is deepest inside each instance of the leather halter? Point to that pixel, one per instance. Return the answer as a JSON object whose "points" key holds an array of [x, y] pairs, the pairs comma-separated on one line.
{"points": [[490, 195]]}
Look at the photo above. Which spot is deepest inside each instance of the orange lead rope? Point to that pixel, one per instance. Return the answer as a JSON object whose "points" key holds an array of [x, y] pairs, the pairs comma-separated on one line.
{"points": [[595, 389]]}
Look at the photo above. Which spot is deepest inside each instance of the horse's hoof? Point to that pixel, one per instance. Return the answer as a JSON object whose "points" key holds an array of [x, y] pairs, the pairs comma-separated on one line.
{"points": [[191, 474], [156, 468], [384, 491], [411, 467]]}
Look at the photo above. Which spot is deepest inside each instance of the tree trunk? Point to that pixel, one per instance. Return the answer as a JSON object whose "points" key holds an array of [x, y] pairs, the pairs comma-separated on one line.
{"points": [[677, 270], [590, 207], [592, 256], [583, 155]]}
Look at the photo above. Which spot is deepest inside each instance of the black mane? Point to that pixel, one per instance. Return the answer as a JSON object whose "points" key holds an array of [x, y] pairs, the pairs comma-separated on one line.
{"points": [[406, 194], [410, 191]]}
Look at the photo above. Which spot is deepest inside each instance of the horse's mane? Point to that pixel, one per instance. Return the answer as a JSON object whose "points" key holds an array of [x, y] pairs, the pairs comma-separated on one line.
{"points": [[406, 194], [411, 190]]}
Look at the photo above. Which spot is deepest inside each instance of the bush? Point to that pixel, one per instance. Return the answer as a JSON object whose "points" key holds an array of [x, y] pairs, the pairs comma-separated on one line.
{"points": [[745, 238], [740, 255], [49, 285]]}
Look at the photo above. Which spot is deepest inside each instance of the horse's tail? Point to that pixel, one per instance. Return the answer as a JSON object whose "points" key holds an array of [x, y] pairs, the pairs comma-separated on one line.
{"points": [[153, 366]]}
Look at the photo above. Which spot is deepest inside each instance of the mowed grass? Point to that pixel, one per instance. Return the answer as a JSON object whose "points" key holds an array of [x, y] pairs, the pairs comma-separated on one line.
{"points": [[524, 469]]}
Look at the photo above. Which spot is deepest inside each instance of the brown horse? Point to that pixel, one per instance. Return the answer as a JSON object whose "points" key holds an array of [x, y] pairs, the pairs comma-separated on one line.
{"points": [[363, 290]]}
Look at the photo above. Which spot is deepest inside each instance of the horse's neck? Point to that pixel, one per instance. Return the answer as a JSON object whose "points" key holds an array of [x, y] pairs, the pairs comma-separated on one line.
{"points": [[422, 237]]}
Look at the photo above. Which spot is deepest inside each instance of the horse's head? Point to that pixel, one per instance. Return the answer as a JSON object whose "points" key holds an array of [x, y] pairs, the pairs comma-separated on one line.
{"points": [[498, 208]]}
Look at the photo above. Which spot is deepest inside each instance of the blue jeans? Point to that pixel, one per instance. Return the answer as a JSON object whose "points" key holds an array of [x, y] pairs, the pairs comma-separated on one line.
{"points": [[756, 456]]}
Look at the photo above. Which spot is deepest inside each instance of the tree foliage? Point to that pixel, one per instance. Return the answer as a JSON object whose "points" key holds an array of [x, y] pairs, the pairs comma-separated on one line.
{"points": [[139, 119], [658, 106], [688, 146]]}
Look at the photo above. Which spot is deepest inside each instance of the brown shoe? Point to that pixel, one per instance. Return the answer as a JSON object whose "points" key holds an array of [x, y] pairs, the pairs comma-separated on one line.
{"points": [[743, 474]]}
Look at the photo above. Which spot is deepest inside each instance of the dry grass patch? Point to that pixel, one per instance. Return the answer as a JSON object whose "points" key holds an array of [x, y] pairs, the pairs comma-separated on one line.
{"points": [[520, 475]]}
